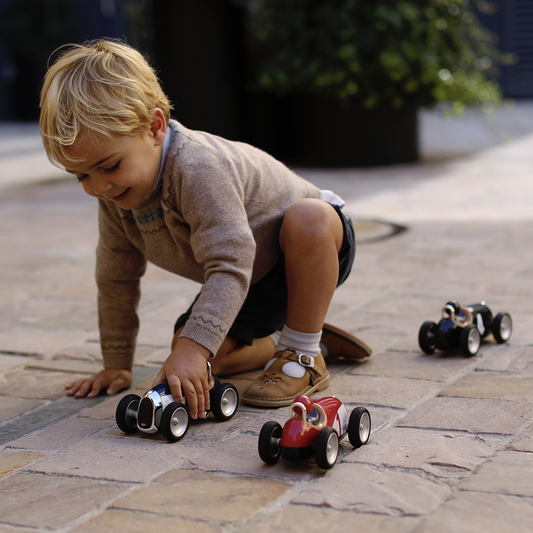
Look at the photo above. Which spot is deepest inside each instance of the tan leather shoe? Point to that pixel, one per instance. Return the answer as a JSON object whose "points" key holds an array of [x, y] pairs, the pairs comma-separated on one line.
{"points": [[343, 345], [286, 376]]}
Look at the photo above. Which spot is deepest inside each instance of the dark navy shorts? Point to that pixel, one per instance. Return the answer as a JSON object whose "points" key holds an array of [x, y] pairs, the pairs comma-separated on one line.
{"points": [[265, 308]]}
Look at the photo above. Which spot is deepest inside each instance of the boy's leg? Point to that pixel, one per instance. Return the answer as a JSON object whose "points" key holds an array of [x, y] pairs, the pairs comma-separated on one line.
{"points": [[234, 357], [311, 238]]}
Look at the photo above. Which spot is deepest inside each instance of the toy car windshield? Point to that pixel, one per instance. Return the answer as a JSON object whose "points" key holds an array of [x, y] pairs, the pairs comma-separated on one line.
{"points": [[316, 417]]}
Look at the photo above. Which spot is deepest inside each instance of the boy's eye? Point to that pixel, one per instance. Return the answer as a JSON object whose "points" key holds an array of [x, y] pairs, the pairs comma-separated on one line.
{"points": [[82, 178], [113, 168]]}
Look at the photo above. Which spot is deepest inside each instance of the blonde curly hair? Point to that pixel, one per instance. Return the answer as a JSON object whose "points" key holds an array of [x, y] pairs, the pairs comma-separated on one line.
{"points": [[102, 87]]}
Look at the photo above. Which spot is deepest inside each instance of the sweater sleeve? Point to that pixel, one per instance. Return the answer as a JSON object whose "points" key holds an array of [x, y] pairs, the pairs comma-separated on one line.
{"points": [[119, 268], [211, 199]]}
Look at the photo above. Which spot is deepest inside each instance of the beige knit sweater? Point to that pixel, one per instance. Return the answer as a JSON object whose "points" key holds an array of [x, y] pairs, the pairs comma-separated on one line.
{"points": [[215, 219]]}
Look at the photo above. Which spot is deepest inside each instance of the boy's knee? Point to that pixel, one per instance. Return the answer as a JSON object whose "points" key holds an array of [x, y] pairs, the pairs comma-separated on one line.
{"points": [[310, 221]]}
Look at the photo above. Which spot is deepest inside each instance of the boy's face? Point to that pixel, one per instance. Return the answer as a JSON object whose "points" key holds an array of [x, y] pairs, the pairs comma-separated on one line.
{"points": [[122, 168]]}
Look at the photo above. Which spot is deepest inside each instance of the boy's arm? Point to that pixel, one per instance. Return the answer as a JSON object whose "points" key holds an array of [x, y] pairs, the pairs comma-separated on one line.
{"points": [[119, 267], [211, 203]]}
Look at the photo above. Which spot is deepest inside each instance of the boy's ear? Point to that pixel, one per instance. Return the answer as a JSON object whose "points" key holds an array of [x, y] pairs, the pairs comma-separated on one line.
{"points": [[158, 125]]}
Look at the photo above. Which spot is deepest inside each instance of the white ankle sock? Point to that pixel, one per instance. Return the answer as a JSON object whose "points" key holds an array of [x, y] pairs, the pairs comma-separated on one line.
{"points": [[275, 337], [307, 343]]}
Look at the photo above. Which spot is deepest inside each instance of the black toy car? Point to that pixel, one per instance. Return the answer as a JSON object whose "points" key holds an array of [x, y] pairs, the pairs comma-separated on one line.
{"points": [[464, 328], [157, 410]]}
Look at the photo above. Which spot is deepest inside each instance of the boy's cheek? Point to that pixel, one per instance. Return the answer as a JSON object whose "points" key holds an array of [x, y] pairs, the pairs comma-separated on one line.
{"points": [[87, 187]]}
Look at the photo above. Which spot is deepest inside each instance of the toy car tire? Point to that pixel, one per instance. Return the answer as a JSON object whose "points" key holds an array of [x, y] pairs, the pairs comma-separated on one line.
{"points": [[502, 327], [224, 401], [175, 421], [359, 427], [126, 413], [427, 337], [470, 340], [327, 448], [269, 442]]}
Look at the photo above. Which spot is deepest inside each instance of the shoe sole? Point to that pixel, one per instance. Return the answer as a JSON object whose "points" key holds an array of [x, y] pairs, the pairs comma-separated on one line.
{"points": [[280, 402], [366, 351]]}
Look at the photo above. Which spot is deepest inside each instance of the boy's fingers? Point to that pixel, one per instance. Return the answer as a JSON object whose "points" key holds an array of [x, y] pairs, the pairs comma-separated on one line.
{"points": [[200, 410], [71, 388], [159, 378], [90, 388], [75, 387], [202, 394], [194, 401], [175, 388], [207, 400], [94, 392], [201, 399], [120, 383]]}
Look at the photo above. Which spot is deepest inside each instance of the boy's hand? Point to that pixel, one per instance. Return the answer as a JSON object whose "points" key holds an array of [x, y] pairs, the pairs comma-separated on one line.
{"points": [[112, 379], [186, 369]]}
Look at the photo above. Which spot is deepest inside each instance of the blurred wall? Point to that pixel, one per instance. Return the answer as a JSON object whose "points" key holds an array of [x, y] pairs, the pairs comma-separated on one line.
{"points": [[30, 31], [200, 53], [512, 22]]}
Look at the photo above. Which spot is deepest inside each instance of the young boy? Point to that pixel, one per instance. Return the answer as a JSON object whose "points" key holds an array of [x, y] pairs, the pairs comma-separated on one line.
{"points": [[268, 251]]}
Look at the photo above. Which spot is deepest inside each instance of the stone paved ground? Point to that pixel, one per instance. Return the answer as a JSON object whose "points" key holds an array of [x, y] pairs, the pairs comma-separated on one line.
{"points": [[452, 441]]}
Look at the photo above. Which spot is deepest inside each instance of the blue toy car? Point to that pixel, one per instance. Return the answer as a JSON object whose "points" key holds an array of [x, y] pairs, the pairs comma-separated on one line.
{"points": [[157, 410], [464, 328]]}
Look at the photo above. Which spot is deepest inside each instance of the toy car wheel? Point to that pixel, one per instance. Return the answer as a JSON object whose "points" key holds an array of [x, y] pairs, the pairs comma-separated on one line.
{"points": [[269, 442], [427, 337], [224, 402], [126, 413], [174, 421], [502, 327], [359, 427], [470, 340], [326, 448]]}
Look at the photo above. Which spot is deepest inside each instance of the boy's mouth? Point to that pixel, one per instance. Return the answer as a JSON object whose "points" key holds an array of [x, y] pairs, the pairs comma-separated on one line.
{"points": [[121, 196]]}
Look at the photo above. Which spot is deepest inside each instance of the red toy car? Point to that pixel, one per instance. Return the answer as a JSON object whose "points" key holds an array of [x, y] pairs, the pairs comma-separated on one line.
{"points": [[314, 428]]}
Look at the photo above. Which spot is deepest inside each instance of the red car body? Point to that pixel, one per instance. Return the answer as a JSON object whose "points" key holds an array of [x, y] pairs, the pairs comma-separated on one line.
{"points": [[314, 428], [300, 431]]}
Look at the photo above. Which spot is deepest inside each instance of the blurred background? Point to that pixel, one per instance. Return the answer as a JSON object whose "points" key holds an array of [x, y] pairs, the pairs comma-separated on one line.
{"points": [[315, 82]]}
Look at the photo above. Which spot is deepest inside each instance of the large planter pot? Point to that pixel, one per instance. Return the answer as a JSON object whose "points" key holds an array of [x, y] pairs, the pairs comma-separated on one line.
{"points": [[312, 130]]}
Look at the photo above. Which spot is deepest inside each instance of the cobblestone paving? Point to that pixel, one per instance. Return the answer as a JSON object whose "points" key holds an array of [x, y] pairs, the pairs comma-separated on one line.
{"points": [[452, 440]]}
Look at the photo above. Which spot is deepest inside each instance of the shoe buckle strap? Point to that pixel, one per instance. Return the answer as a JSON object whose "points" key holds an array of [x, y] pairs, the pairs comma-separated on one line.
{"points": [[306, 360]]}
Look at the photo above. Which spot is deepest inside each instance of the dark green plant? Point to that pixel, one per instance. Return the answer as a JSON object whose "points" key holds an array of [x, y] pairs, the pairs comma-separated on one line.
{"points": [[381, 51]]}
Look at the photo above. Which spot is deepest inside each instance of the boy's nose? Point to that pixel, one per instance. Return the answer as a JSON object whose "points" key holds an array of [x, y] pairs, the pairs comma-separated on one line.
{"points": [[101, 186]]}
